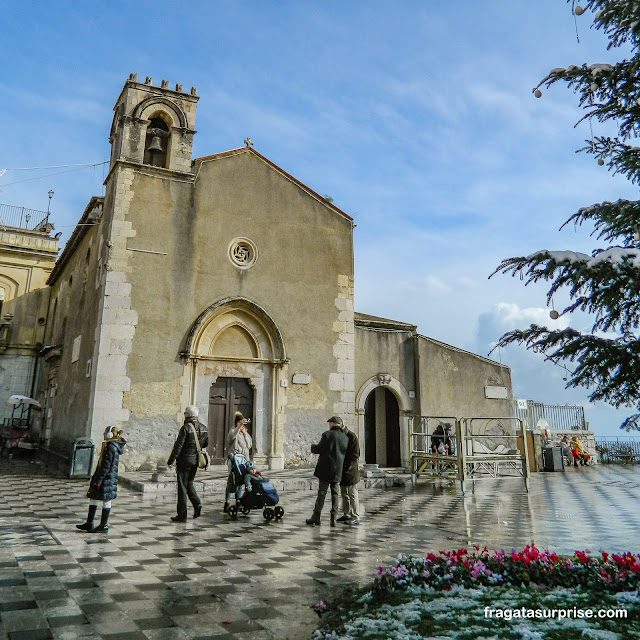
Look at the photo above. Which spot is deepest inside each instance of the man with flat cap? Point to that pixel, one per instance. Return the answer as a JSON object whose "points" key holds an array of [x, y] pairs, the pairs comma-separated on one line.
{"points": [[331, 450]]}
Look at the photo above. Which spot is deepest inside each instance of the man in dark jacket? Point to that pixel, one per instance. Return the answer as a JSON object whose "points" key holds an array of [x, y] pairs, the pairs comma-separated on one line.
{"points": [[349, 481], [185, 455], [331, 449]]}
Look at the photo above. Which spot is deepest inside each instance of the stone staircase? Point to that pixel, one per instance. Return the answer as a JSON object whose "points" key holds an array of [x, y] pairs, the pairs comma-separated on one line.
{"points": [[214, 480]]}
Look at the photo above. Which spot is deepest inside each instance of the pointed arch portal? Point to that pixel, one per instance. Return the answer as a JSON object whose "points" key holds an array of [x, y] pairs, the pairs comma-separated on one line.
{"points": [[235, 354]]}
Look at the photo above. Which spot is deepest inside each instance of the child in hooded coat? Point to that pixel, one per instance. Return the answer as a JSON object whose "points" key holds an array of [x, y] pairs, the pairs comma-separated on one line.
{"points": [[104, 482]]}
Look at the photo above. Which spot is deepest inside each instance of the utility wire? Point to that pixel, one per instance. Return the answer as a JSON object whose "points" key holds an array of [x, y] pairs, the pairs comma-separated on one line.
{"points": [[47, 175], [59, 166]]}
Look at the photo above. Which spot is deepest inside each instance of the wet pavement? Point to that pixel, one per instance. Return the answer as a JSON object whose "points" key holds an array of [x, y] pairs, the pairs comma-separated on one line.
{"points": [[151, 579]]}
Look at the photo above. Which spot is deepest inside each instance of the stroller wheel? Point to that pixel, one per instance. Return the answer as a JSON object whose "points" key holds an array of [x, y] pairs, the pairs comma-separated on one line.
{"points": [[265, 514], [279, 512], [245, 510], [233, 511]]}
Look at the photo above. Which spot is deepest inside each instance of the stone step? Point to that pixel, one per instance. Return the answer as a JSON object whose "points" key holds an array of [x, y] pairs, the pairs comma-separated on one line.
{"points": [[164, 482]]}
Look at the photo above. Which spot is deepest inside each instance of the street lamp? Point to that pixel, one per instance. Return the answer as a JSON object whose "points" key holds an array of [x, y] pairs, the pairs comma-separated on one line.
{"points": [[48, 206]]}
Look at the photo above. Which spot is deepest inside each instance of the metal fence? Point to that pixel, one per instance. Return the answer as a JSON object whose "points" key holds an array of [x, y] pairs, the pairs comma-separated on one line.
{"points": [[623, 449], [476, 448], [21, 217], [563, 417]]}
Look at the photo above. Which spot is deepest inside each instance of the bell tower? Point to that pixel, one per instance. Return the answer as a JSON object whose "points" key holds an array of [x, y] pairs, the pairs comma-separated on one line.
{"points": [[154, 125]]}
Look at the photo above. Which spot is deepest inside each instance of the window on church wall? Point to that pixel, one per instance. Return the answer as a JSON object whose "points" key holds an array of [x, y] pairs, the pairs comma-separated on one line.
{"points": [[85, 273], [2, 295], [52, 336], [156, 146]]}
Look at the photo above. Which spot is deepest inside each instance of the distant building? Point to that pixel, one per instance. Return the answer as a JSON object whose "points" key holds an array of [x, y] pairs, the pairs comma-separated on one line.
{"points": [[227, 283], [27, 257]]}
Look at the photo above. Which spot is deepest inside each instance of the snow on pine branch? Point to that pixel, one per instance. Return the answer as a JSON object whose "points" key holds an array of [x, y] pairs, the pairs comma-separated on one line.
{"points": [[616, 256]]}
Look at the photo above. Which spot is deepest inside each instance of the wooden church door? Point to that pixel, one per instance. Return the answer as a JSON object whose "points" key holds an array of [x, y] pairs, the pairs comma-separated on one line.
{"points": [[226, 396]]}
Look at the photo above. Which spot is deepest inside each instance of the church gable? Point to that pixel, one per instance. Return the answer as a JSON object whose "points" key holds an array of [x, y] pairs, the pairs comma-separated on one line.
{"points": [[247, 154]]}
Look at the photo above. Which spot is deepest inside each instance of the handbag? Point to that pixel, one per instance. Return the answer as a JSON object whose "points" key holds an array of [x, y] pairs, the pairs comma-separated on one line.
{"points": [[203, 456]]}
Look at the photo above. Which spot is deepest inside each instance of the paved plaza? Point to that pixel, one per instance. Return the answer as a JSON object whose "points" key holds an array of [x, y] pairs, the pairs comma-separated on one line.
{"points": [[151, 579]]}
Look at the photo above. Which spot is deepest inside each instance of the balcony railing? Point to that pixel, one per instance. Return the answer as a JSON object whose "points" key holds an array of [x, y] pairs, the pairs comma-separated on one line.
{"points": [[557, 416], [618, 449], [22, 218]]}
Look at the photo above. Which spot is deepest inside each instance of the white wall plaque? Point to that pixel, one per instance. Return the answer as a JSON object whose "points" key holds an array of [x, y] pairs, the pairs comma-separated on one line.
{"points": [[284, 383], [75, 351], [301, 378], [522, 404], [496, 393]]}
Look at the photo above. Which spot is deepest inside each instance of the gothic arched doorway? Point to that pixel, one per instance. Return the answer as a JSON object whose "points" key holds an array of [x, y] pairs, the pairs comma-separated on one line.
{"points": [[235, 353], [382, 428]]}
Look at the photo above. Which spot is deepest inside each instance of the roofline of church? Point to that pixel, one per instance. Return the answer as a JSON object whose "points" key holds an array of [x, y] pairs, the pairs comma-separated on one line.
{"points": [[366, 321], [82, 228], [469, 353], [293, 179]]}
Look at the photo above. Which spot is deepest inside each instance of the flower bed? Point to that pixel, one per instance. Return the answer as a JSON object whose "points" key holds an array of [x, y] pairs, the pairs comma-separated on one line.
{"points": [[467, 594]]}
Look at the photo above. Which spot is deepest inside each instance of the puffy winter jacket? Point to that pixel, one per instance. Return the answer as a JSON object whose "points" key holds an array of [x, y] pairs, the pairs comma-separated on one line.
{"points": [[104, 482], [185, 451]]}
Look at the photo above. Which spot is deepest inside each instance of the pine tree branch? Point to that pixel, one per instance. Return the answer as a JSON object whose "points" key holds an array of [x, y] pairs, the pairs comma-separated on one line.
{"points": [[611, 220], [610, 365], [605, 284]]}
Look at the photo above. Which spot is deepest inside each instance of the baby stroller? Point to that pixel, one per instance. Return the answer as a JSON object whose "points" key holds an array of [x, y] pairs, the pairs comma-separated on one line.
{"points": [[263, 494]]}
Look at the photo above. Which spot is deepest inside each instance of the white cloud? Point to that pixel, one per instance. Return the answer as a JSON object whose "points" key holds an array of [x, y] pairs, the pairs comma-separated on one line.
{"points": [[435, 285]]}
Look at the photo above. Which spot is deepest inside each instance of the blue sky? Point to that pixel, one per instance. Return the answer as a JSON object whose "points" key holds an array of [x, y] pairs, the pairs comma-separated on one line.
{"points": [[416, 118]]}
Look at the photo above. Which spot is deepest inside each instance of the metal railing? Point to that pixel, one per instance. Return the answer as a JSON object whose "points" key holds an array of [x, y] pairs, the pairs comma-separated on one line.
{"points": [[21, 217], [561, 417], [477, 448], [624, 449]]}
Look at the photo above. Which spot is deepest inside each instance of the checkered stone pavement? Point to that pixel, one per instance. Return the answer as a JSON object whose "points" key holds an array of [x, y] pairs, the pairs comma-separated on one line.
{"points": [[214, 577]]}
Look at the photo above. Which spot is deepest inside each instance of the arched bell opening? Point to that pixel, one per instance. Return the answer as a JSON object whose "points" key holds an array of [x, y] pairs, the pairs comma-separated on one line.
{"points": [[156, 146]]}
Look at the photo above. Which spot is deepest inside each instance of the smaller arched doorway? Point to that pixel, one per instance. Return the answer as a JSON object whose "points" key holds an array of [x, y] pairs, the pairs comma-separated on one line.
{"points": [[382, 428]]}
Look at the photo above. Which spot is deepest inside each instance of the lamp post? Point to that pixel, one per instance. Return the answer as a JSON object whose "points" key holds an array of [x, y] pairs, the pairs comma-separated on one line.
{"points": [[48, 207]]}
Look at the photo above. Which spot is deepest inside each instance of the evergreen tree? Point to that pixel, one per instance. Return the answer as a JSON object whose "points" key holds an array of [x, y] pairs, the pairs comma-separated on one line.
{"points": [[605, 284]]}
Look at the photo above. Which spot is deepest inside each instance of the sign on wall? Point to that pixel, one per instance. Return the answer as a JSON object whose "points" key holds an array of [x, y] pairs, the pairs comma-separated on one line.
{"points": [[496, 393]]}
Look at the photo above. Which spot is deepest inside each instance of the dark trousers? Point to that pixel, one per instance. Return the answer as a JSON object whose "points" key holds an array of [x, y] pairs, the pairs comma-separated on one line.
{"points": [[323, 487], [186, 476]]}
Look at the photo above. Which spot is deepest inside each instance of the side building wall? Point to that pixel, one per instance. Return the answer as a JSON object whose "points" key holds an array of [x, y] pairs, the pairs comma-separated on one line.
{"points": [[453, 383], [26, 260], [77, 289], [424, 377]]}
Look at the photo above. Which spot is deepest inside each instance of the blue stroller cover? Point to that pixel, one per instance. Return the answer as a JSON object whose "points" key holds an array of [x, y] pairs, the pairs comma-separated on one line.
{"points": [[238, 467], [270, 494]]}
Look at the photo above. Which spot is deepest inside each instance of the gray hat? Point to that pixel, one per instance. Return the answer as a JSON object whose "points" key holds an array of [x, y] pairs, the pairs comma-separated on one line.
{"points": [[191, 411], [335, 420]]}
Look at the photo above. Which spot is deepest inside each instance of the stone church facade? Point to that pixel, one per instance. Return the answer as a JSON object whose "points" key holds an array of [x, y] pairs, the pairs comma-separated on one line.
{"points": [[226, 283]]}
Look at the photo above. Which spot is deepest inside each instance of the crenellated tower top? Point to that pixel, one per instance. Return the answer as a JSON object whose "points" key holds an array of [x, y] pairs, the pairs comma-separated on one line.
{"points": [[154, 125]]}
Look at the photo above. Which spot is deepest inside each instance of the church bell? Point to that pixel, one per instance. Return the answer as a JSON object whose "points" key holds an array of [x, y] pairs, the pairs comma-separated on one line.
{"points": [[155, 144]]}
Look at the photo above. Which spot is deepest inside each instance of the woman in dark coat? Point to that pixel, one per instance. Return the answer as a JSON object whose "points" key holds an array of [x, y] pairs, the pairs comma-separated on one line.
{"points": [[104, 482]]}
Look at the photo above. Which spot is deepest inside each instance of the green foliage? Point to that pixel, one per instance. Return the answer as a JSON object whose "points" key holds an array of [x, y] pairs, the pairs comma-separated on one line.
{"points": [[606, 283]]}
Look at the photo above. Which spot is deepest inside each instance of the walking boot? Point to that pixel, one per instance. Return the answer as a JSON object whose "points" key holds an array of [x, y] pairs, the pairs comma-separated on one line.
{"points": [[313, 520], [332, 523], [226, 506], [197, 511], [88, 525], [102, 527]]}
